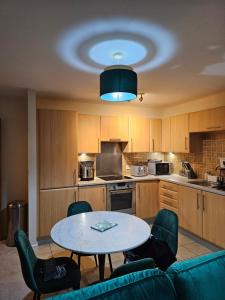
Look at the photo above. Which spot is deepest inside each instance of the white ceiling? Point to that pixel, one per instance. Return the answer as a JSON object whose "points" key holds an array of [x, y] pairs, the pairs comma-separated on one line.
{"points": [[30, 32]]}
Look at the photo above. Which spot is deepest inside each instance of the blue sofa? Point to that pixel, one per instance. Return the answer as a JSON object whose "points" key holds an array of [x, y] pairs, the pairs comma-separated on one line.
{"points": [[201, 278]]}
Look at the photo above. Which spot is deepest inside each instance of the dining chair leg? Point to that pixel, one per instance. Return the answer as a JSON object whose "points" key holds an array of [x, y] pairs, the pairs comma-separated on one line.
{"points": [[71, 255], [79, 261], [34, 296], [96, 262], [125, 260], [110, 263]]}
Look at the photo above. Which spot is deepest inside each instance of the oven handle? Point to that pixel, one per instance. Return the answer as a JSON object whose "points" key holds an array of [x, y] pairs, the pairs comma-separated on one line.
{"points": [[122, 191]]}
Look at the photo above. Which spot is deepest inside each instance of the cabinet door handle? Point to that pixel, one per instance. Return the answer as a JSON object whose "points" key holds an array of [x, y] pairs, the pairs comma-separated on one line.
{"points": [[197, 201], [131, 145], [185, 143], [74, 176], [153, 145], [98, 145], [203, 202], [213, 127], [75, 196]]}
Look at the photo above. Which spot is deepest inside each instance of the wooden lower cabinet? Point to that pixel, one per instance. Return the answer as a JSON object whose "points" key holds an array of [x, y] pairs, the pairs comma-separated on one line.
{"points": [[214, 218], [190, 210], [53, 205], [95, 195], [147, 202]]}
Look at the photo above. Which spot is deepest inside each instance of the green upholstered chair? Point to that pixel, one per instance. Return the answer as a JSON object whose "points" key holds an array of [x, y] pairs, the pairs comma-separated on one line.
{"points": [[31, 269], [165, 228], [135, 266], [78, 208]]}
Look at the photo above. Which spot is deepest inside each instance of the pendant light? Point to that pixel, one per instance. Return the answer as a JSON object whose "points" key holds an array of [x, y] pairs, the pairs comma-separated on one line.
{"points": [[118, 83]]}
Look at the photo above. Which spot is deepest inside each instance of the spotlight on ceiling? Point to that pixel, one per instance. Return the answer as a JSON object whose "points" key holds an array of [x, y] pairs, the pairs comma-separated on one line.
{"points": [[118, 83]]}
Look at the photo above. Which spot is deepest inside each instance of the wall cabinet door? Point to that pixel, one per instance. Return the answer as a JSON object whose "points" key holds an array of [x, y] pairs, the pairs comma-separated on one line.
{"points": [[155, 135], [180, 134], [88, 134], [147, 202], [166, 138], [214, 218], [190, 210], [207, 120], [139, 134], [114, 128], [95, 195], [53, 205], [57, 148]]}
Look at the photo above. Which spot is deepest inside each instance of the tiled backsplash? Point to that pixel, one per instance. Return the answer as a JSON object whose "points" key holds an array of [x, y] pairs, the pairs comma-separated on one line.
{"points": [[213, 148]]}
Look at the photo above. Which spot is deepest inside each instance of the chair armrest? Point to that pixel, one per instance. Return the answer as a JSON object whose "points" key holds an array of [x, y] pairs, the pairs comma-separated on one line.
{"points": [[135, 266]]}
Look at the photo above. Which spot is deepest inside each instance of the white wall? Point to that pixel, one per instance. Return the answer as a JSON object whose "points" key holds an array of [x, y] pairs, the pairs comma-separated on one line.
{"points": [[13, 115], [99, 109], [212, 101]]}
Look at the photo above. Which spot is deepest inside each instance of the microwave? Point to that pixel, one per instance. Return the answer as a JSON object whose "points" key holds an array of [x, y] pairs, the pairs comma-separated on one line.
{"points": [[159, 168]]}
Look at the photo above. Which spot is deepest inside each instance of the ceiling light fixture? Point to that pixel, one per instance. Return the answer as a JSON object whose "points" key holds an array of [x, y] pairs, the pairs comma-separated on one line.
{"points": [[118, 83]]}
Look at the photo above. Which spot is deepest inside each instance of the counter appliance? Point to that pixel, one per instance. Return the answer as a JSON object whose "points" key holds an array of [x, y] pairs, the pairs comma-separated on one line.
{"points": [[86, 170], [159, 167], [139, 169]]}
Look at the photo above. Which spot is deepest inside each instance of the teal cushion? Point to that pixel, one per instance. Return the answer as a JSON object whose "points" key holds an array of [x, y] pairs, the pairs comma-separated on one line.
{"points": [[201, 278], [143, 285]]}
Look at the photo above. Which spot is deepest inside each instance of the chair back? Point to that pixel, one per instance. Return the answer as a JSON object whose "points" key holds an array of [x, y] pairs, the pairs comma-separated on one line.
{"points": [[28, 259], [78, 208], [165, 227]]}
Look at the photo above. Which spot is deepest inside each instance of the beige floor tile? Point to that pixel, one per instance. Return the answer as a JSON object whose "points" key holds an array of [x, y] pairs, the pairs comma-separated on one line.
{"points": [[197, 249], [184, 253], [184, 240]]}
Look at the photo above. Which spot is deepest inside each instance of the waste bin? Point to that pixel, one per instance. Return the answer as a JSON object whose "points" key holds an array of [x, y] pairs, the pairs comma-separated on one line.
{"points": [[16, 211]]}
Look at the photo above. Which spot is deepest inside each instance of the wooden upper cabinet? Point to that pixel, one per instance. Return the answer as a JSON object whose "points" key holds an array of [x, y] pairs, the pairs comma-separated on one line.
{"points": [[214, 218], [180, 134], [190, 210], [155, 135], [166, 138], [139, 134], [88, 134], [95, 195], [57, 148], [207, 120], [114, 128], [147, 200]]}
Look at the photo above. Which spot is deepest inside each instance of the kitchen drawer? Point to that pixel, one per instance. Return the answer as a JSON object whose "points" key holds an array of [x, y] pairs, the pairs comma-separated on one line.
{"points": [[168, 186], [163, 205], [168, 193], [169, 201]]}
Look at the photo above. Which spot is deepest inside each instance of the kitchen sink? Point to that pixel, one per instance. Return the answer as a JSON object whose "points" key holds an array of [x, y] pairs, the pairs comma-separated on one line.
{"points": [[201, 183]]}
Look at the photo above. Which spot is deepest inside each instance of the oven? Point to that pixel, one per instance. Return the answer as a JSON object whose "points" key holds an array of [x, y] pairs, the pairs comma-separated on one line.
{"points": [[121, 197]]}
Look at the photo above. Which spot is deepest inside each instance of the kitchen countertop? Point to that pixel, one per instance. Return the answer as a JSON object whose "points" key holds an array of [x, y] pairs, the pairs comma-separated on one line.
{"points": [[174, 178]]}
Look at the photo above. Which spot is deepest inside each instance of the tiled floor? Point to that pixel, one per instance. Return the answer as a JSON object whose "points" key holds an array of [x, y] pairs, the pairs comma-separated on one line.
{"points": [[12, 286]]}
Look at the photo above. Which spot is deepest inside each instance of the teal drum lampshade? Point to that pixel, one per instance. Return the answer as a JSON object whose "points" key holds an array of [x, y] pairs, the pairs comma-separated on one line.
{"points": [[118, 83]]}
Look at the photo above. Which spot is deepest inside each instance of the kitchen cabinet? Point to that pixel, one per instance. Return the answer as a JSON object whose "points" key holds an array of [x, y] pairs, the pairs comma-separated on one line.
{"points": [[166, 138], [155, 135], [168, 196], [139, 134], [179, 134], [88, 134], [190, 210], [207, 120], [214, 218], [95, 195], [114, 128], [147, 204], [53, 205], [57, 148]]}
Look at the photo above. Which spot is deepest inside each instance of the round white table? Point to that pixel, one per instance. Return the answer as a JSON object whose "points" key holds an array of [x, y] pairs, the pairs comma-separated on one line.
{"points": [[75, 233]]}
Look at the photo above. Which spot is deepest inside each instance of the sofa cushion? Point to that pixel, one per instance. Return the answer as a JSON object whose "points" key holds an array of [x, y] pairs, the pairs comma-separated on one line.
{"points": [[201, 278], [142, 285]]}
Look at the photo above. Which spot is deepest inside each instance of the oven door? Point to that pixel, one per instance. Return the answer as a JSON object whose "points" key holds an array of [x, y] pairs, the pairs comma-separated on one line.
{"points": [[121, 201]]}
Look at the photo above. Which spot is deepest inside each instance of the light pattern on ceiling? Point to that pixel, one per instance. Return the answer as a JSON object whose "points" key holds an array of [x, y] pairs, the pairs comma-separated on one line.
{"points": [[156, 45]]}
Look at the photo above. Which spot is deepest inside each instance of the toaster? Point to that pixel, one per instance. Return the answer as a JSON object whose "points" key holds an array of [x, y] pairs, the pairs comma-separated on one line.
{"points": [[139, 170]]}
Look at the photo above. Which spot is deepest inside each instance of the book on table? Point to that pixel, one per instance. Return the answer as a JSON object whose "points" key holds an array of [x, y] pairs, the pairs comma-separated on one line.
{"points": [[103, 226]]}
